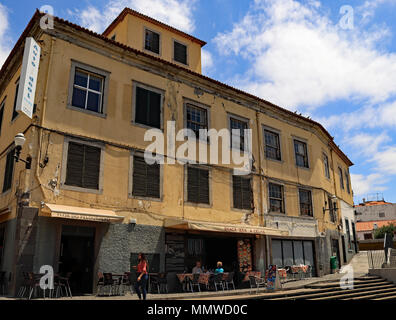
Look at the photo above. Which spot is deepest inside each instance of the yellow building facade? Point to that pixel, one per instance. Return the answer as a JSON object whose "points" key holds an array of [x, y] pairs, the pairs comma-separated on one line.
{"points": [[88, 204]]}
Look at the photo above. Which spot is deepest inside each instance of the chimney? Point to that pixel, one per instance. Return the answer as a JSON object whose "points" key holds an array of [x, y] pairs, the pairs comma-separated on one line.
{"points": [[364, 200]]}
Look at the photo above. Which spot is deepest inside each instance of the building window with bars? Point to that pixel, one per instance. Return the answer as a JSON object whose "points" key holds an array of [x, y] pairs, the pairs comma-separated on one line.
{"points": [[197, 118], [152, 41], [239, 126], [305, 197], [179, 52], [198, 185], [9, 171], [148, 105], [276, 198], [326, 165], [272, 145], [145, 178], [242, 192], [83, 166], [332, 210], [300, 149]]}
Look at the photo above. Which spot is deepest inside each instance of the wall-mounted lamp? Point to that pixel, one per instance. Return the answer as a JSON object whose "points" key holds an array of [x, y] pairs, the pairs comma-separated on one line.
{"points": [[19, 141], [331, 208], [131, 224], [132, 221]]}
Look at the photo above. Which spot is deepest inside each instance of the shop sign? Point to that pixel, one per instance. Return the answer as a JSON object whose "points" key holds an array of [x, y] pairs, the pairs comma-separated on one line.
{"points": [[28, 78], [80, 217]]}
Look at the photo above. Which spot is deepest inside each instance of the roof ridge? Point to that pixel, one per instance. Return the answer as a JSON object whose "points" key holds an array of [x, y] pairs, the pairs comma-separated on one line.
{"points": [[127, 10]]}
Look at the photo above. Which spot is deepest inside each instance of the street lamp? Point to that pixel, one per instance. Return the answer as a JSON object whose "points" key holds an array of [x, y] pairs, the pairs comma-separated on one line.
{"points": [[19, 141]]}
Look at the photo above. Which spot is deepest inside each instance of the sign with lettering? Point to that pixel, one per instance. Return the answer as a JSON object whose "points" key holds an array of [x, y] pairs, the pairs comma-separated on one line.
{"points": [[81, 217], [28, 78]]}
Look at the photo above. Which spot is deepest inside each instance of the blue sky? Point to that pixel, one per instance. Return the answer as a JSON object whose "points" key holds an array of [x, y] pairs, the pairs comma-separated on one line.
{"points": [[295, 53]]}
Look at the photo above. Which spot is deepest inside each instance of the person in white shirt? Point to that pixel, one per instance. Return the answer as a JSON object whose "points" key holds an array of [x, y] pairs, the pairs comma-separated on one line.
{"points": [[197, 268]]}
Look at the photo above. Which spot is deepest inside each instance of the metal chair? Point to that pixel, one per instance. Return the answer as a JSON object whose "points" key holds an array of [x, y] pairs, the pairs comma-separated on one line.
{"points": [[229, 279], [257, 283], [218, 280], [2, 282], [63, 283], [108, 281], [163, 281], [195, 282], [100, 284]]}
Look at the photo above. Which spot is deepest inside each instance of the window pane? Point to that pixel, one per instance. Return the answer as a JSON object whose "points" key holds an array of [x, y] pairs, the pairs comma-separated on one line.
{"points": [[298, 252], [241, 126], [95, 83], [79, 97], [93, 102], [152, 41], [288, 253], [308, 253], [277, 253], [81, 79]]}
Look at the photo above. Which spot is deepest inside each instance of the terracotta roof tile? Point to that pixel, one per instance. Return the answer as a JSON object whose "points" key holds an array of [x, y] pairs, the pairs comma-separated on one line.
{"points": [[369, 225]]}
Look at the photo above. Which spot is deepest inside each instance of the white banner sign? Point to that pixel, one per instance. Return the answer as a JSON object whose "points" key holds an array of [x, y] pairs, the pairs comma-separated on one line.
{"points": [[28, 78]]}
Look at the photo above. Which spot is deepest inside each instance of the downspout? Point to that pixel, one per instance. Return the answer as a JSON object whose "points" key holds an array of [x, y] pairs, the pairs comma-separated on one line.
{"points": [[260, 171]]}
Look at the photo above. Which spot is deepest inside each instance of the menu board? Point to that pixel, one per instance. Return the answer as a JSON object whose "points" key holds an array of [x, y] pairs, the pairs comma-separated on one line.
{"points": [[244, 255], [174, 253]]}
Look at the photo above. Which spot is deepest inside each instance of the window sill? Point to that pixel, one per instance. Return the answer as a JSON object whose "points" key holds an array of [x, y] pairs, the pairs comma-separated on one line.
{"points": [[275, 160], [304, 168], [198, 205], [145, 126], [131, 196], [241, 210], [93, 113], [80, 189]]}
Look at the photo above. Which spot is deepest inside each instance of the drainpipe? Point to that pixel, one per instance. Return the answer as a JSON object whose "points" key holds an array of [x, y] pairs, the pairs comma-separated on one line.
{"points": [[260, 170], [45, 100]]}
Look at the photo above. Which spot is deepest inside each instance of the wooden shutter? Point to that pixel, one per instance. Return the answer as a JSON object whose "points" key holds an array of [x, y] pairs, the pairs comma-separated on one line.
{"points": [[197, 185], [83, 166], [91, 167], [75, 164], [9, 170], [1, 116], [180, 52], [146, 178], [242, 192], [141, 106]]}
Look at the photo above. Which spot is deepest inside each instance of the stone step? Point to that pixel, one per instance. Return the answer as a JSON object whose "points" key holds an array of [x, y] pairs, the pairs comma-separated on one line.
{"points": [[336, 284], [374, 296], [386, 298], [364, 294], [335, 291]]}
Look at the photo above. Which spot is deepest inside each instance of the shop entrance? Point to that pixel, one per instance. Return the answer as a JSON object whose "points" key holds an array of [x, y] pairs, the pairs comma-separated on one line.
{"points": [[77, 257]]}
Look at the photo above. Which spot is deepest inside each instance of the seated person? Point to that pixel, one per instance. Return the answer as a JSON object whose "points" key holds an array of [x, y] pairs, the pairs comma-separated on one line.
{"points": [[219, 268], [197, 268]]}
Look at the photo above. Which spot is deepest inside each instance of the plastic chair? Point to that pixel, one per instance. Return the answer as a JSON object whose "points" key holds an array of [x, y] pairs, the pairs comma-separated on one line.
{"points": [[218, 280], [100, 283], [257, 283]]}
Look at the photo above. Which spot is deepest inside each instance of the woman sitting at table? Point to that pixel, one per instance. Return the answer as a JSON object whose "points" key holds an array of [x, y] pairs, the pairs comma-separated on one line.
{"points": [[142, 274], [219, 268]]}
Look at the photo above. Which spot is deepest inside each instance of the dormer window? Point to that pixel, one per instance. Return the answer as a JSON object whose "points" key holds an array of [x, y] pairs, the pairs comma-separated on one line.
{"points": [[152, 41]]}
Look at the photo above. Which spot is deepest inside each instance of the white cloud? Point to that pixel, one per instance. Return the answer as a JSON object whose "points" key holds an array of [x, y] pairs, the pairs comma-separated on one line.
{"points": [[367, 144], [362, 185], [207, 61], [299, 57], [367, 9], [4, 41], [177, 13]]}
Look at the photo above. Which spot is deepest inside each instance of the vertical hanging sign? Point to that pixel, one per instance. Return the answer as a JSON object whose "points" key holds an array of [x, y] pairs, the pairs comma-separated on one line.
{"points": [[28, 78]]}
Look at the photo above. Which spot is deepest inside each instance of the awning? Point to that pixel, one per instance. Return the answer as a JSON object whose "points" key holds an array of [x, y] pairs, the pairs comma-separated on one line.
{"points": [[222, 227], [80, 213]]}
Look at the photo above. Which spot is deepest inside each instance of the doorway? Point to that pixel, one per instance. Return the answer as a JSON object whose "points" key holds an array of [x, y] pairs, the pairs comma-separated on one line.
{"points": [[343, 249], [335, 249], [77, 257]]}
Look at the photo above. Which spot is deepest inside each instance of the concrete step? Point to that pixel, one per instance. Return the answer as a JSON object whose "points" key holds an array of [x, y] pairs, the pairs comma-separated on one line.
{"points": [[372, 293], [335, 291]]}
